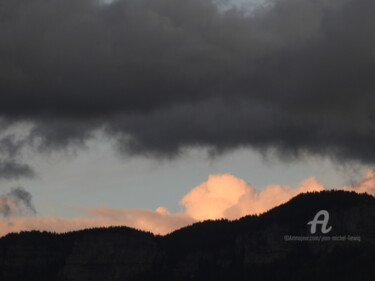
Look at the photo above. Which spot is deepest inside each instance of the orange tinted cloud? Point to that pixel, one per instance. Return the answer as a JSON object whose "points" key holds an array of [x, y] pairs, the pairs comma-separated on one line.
{"points": [[226, 196], [212, 198], [221, 196]]}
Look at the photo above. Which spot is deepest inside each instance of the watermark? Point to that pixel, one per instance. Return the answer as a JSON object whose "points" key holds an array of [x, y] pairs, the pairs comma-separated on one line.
{"points": [[321, 218], [322, 238], [323, 222]]}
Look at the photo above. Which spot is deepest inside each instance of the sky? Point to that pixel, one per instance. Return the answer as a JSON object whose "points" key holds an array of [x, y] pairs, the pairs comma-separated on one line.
{"points": [[159, 113]]}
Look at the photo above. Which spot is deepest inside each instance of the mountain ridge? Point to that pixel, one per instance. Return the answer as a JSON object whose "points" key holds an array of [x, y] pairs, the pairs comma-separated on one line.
{"points": [[250, 248]]}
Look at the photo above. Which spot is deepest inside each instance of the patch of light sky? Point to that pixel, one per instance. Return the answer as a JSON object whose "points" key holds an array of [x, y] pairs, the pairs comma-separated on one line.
{"points": [[98, 176]]}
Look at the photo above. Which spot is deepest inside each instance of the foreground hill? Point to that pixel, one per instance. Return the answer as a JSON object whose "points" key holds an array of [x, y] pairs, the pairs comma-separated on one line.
{"points": [[265, 247]]}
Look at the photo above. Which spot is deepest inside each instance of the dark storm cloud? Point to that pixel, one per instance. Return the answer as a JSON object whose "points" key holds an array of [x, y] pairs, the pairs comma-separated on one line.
{"points": [[160, 75], [16, 202]]}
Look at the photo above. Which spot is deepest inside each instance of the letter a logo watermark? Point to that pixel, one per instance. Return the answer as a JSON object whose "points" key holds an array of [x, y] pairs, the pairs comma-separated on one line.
{"points": [[323, 222]]}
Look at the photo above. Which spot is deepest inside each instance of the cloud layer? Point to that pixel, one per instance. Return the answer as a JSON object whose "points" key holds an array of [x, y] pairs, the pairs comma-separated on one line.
{"points": [[221, 196], [161, 75]]}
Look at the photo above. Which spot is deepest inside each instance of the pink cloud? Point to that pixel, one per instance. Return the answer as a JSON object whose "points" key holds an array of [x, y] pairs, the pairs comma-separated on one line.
{"points": [[226, 196], [212, 198]]}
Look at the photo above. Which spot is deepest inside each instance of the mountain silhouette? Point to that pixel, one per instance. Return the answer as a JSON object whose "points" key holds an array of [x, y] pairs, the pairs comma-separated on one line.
{"points": [[276, 245]]}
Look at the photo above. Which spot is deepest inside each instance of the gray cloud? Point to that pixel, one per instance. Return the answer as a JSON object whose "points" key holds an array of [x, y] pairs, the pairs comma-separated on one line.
{"points": [[10, 146], [10, 170], [16, 202], [160, 75], [11, 166]]}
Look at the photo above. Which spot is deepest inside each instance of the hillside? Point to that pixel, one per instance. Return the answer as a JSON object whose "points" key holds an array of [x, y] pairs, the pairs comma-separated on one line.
{"points": [[251, 248]]}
